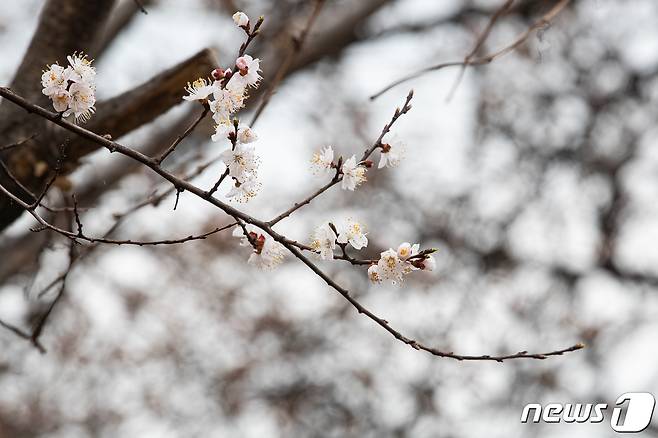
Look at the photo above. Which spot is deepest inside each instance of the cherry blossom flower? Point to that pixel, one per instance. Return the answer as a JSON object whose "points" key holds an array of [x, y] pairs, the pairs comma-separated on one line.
{"points": [[324, 241], [391, 154], [406, 250], [390, 267], [55, 80], [353, 174], [244, 191], [322, 161], [247, 135], [242, 162], [240, 19], [71, 89], [354, 233], [82, 101], [61, 100], [199, 90], [247, 74], [373, 274], [81, 70], [226, 102]]}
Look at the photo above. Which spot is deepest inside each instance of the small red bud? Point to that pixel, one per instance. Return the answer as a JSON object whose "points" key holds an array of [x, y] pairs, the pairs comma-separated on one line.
{"points": [[218, 73], [386, 147], [368, 164]]}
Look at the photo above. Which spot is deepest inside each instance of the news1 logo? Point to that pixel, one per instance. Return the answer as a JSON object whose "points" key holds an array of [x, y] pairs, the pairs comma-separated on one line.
{"points": [[632, 412]]}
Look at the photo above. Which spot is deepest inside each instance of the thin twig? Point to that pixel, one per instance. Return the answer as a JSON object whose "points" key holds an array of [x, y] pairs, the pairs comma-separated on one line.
{"points": [[18, 143], [181, 137], [297, 43], [479, 43], [520, 39]]}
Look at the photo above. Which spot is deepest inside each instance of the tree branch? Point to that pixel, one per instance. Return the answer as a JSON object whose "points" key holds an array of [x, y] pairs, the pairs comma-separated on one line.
{"points": [[181, 185]]}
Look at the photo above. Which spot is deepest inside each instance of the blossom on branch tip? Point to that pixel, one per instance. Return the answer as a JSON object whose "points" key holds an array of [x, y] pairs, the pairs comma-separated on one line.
{"points": [[247, 74], [240, 19], [391, 154], [323, 241], [353, 174], [322, 161], [354, 233]]}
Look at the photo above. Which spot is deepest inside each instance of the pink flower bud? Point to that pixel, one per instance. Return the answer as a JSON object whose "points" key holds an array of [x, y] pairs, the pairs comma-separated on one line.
{"points": [[218, 73], [242, 63]]}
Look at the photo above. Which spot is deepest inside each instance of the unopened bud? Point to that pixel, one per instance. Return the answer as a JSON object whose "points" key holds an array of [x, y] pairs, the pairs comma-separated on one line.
{"points": [[218, 73]]}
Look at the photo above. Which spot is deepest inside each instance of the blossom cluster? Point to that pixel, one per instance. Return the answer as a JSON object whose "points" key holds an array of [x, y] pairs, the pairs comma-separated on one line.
{"points": [[225, 94], [393, 265], [354, 172], [72, 89]]}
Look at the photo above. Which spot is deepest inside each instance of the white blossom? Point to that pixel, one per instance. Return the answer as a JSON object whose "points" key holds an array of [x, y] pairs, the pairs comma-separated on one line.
{"points": [[81, 70], [373, 274], [82, 101], [61, 100], [55, 80], [247, 135], [406, 250], [324, 241], [247, 74], [354, 233], [242, 162], [225, 103], [391, 154], [199, 90], [71, 89], [245, 190], [390, 267], [353, 174], [322, 161], [240, 19]]}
